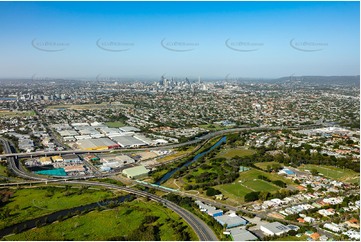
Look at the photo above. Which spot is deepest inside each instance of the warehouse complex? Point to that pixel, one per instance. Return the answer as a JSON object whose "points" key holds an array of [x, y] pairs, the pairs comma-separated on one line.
{"points": [[128, 141], [97, 136], [97, 144]]}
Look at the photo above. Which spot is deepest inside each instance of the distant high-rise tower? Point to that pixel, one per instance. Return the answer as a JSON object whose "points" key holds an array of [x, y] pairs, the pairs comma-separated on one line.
{"points": [[161, 81]]}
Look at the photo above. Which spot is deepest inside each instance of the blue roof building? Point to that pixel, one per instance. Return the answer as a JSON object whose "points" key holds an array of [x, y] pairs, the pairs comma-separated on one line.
{"points": [[287, 172]]}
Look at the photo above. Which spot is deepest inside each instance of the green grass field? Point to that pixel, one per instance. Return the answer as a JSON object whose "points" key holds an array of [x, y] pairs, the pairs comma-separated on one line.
{"points": [[232, 152], [35, 202], [109, 224], [260, 185], [254, 173], [3, 170], [10, 114], [234, 191], [336, 173], [116, 124], [248, 182], [263, 165]]}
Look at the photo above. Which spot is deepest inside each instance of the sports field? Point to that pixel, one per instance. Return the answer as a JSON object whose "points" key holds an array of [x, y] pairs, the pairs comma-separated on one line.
{"points": [[336, 173], [260, 185], [248, 182]]}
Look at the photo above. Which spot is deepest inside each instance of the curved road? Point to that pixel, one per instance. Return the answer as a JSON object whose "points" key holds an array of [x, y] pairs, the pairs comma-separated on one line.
{"points": [[203, 232]]}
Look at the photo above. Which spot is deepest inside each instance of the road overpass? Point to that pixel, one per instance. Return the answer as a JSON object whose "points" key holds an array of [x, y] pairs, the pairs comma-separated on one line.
{"points": [[202, 230], [197, 140]]}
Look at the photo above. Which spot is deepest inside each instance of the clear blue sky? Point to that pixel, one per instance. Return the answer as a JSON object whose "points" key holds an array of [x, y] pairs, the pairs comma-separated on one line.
{"points": [[203, 28]]}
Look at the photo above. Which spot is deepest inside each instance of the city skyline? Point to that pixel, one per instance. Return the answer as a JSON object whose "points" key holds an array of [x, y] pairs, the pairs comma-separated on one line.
{"points": [[207, 39]]}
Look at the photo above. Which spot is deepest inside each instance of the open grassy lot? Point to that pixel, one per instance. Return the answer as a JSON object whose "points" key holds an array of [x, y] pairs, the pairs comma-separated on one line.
{"points": [[212, 127], [334, 172], [115, 124], [10, 114], [264, 165], [232, 152], [174, 183], [254, 173], [176, 154], [124, 222], [173, 156], [248, 182], [3, 170], [35, 202], [260, 185]]}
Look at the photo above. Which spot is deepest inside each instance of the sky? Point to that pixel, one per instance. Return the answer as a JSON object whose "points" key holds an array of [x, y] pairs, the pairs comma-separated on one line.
{"points": [[180, 39]]}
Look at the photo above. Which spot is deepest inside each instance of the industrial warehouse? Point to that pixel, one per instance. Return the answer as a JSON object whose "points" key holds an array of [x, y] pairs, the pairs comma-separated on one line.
{"points": [[97, 144], [97, 136]]}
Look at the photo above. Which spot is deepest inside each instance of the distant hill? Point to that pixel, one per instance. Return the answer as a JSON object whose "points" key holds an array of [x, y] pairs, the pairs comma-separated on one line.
{"points": [[321, 80]]}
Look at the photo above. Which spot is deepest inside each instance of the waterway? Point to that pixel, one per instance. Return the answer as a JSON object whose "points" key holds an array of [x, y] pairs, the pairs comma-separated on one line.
{"points": [[195, 158], [50, 218], [8, 99]]}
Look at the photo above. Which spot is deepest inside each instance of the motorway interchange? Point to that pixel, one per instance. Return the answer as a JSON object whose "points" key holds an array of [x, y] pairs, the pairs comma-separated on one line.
{"points": [[201, 229], [203, 232]]}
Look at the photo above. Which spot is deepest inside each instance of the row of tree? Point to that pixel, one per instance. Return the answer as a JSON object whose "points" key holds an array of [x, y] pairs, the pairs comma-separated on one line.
{"points": [[264, 195]]}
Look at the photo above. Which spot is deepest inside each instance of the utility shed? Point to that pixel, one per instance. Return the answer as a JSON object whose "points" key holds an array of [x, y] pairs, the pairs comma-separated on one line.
{"points": [[136, 172]]}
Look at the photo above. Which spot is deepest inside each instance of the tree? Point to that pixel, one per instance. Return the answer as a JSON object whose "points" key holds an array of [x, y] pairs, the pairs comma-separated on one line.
{"points": [[212, 192], [314, 172], [279, 183], [252, 196], [263, 195]]}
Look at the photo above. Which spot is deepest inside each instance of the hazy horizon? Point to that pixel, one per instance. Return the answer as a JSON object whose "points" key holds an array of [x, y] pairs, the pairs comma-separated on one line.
{"points": [[140, 40]]}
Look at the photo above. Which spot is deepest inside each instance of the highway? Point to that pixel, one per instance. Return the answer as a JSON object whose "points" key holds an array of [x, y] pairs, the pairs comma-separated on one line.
{"points": [[197, 140], [202, 230]]}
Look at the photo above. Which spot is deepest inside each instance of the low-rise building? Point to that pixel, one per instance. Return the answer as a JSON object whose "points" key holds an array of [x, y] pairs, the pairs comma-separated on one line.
{"points": [[274, 228], [239, 234], [333, 227], [231, 220], [78, 168], [210, 210], [57, 158], [136, 172], [353, 223], [45, 160], [71, 158], [352, 234]]}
